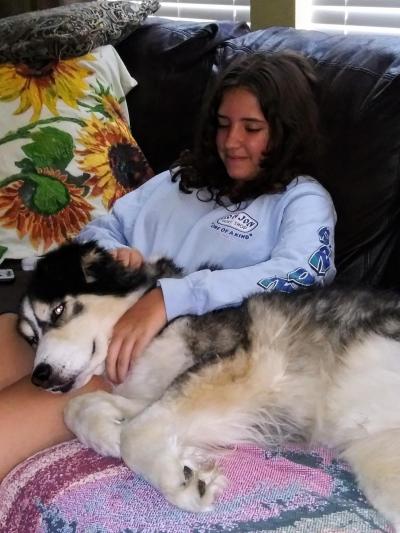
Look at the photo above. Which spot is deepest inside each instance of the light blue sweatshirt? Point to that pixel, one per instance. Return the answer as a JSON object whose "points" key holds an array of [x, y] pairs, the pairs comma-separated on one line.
{"points": [[276, 242]]}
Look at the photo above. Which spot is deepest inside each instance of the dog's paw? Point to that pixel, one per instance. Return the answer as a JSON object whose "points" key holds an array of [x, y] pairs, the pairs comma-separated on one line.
{"points": [[197, 490], [96, 421]]}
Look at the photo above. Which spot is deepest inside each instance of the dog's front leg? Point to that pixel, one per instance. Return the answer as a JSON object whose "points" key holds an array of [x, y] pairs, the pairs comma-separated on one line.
{"points": [[166, 358], [96, 419]]}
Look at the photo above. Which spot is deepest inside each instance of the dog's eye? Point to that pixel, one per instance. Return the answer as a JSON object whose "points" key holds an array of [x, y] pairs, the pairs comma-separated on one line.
{"points": [[57, 312]]}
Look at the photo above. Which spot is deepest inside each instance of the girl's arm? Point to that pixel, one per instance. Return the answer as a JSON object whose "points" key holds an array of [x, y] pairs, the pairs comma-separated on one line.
{"points": [[115, 230], [302, 257]]}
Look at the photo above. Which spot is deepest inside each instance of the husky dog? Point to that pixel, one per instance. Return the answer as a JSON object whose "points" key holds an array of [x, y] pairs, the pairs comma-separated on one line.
{"points": [[319, 365], [74, 298]]}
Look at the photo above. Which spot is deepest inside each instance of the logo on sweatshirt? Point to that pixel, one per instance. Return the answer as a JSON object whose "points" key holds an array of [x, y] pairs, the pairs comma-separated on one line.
{"points": [[239, 222], [235, 225]]}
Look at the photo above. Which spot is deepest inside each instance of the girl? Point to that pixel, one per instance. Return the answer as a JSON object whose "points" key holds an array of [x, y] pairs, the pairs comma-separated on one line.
{"points": [[241, 201]]}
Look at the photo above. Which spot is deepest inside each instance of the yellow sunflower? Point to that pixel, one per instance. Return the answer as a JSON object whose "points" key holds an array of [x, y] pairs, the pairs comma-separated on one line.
{"points": [[112, 158], [64, 79], [111, 106], [105, 103], [44, 230]]}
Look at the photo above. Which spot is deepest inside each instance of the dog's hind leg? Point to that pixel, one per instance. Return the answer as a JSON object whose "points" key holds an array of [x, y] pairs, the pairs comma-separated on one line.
{"points": [[375, 461]]}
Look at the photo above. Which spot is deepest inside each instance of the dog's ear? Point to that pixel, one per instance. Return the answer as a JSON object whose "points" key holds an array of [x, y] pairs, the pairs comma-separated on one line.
{"points": [[90, 261]]}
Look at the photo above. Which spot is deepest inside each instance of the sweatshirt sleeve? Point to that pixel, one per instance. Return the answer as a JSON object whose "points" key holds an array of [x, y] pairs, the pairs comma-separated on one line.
{"points": [[303, 256], [115, 229]]}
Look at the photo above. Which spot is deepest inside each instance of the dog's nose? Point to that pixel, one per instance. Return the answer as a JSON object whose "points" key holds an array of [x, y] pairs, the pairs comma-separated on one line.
{"points": [[41, 375]]}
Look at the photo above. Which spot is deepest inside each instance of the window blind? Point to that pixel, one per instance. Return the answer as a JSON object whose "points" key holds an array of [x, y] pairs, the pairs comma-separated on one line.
{"points": [[206, 10], [355, 16]]}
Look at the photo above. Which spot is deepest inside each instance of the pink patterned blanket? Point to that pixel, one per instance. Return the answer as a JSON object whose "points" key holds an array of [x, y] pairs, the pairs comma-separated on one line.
{"points": [[70, 489]]}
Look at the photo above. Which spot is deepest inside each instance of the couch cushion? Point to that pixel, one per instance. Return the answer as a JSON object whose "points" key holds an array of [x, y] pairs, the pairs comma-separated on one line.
{"points": [[69, 31], [359, 96], [66, 150], [291, 490], [171, 60]]}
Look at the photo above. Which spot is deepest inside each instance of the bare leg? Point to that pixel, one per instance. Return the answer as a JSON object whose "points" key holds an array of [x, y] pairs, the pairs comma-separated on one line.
{"points": [[16, 356], [31, 419]]}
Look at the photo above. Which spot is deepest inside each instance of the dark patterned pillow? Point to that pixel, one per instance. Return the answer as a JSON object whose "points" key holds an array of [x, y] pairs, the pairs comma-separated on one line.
{"points": [[69, 31]]}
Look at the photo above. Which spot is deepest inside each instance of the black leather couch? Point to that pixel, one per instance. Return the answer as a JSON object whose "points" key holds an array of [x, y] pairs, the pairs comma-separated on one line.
{"points": [[359, 97], [359, 87]]}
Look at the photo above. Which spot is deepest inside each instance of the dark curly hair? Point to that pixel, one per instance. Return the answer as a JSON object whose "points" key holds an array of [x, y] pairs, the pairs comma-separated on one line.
{"points": [[284, 84]]}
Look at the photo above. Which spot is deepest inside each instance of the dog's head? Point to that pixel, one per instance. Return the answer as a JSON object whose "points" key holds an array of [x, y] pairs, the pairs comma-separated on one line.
{"points": [[75, 296]]}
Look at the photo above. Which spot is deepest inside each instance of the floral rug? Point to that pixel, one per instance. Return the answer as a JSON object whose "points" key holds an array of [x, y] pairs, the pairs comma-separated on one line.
{"points": [[70, 489]]}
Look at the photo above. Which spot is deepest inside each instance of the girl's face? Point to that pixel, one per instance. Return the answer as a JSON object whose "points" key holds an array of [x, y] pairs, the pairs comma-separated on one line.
{"points": [[242, 134]]}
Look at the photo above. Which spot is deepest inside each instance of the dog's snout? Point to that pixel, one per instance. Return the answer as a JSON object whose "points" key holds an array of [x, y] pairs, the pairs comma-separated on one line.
{"points": [[41, 375], [46, 377]]}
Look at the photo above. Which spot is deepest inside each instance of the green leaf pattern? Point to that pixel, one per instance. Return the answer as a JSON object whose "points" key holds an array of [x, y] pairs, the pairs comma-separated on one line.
{"points": [[50, 149]]}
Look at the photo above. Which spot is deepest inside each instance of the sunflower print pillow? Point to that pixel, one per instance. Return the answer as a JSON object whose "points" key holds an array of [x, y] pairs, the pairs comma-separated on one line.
{"points": [[66, 150]]}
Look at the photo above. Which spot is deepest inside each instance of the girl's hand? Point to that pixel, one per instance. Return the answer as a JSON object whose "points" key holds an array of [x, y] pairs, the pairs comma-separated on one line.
{"points": [[133, 332], [130, 257]]}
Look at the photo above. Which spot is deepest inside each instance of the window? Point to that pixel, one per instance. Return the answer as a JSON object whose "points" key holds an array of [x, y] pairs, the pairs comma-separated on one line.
{"points": [[206, 10], [349, 16]]}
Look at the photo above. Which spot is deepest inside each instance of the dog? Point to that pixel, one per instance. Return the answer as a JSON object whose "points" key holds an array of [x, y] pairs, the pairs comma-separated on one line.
{"points": [[317, 365]]}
